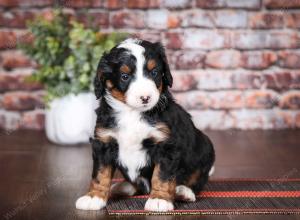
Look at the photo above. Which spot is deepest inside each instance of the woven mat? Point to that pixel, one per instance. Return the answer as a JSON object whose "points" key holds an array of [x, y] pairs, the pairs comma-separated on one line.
{"points": [[226, 197]]}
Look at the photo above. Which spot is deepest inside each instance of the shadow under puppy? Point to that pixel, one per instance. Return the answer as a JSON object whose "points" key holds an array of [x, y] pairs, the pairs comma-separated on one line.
{"points": [[143, 132]]}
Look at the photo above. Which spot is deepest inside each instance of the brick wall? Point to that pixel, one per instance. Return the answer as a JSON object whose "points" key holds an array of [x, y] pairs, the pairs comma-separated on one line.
{"points": [[235, 62]]}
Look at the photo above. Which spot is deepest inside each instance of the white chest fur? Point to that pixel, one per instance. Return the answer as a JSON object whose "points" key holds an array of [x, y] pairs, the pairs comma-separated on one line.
{"points": [[131, 131]]}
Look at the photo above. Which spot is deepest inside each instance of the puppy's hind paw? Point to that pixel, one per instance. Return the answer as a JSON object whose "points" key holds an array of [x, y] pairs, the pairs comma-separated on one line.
{"points": [[158, 205], [184, 193], [90, 203]]}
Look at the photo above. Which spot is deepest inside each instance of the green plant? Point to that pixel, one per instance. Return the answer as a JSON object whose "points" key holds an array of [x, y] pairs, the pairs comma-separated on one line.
{"points": [[67, 54]]}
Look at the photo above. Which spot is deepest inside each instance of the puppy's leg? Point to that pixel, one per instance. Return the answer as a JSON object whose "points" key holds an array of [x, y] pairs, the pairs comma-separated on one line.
{"points": [[98, 193], [162, 193], [199, 182]]}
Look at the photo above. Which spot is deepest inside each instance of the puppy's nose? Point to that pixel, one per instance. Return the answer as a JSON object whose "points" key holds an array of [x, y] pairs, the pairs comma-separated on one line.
{"points": [[145, 99]]}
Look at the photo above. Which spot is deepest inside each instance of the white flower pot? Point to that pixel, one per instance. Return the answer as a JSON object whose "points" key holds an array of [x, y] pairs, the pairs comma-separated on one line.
{"points": [[71, 119]]}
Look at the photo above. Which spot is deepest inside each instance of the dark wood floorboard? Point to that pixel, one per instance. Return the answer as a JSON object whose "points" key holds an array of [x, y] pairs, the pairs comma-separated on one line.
{"points": [[40, 180]]}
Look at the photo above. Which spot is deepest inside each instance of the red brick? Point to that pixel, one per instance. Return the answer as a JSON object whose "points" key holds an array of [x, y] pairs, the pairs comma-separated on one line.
{"points": [[157, 19], [272, 79], [36, 3], [179, 4], [206, 39], [250, 40], [295, 82], [8, 39], [197, 18], [266, 20], [33, 120], [266, 39], [186, 59], [1, 104], [262, 119], [193, 100], [247, 80], [173, 40], [16, 18], [2, 120], [211, 4], [297, 120], [94, 19], [292, 20], [280, 80], [9, 3], [286, 119], [226, 100], [290, 100], [284, 40], [113, 4], [249, 4], [25, 37], [26, 3], [17, 81], [13, 59], [223, 59], [261, 99], [81, 3], [211, 119], [48, 14], [153, 36], [143, 4], [289, 59], [22, 101], [174, 21], [124, 19], [230, 19], [258, 59], [281, 4], [183, 81], [9, 121], [213, 79]]}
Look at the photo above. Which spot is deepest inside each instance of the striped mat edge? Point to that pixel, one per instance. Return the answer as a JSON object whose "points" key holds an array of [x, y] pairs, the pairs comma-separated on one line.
{"points": [[289, 195]]}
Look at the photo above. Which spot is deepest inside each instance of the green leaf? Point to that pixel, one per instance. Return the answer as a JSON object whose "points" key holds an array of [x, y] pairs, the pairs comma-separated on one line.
{"points": [[67, 53]]}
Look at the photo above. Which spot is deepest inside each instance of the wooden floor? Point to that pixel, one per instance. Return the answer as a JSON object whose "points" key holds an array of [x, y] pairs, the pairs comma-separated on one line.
{"points": [[40, 180]]}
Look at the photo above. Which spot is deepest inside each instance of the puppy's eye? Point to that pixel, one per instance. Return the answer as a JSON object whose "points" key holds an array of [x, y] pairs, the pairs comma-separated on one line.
{"points": [[124, 76], [154, 73]]}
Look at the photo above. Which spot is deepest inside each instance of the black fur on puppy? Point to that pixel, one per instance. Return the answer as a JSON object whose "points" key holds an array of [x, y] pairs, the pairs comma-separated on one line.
{"points": [[143, 132]]}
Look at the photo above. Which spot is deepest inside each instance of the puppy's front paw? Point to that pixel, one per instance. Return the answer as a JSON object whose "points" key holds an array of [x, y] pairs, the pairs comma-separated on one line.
{"points": [[158, 205], [90, 203]]}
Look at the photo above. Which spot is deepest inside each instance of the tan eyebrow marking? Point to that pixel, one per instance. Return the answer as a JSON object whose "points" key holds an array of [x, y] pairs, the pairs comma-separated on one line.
{"points": [[151, 64], [118, 95], [125, 69], [109, 84]]}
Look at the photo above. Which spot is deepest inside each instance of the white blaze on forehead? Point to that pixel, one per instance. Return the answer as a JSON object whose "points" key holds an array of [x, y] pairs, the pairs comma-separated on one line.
{"points": [[141, 86], [137, 51]]}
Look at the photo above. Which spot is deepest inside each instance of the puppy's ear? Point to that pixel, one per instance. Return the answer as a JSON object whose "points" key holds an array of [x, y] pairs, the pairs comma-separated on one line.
{"points": [[167, 77], [99, 81]]}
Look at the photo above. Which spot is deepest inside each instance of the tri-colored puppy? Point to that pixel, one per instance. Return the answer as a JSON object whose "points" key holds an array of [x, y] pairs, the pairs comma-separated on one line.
{"points": [[143, 132]]}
